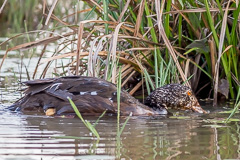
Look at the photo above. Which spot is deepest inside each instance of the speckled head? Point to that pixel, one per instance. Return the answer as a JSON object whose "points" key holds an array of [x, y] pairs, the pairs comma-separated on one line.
{"points": [[175, 96]]}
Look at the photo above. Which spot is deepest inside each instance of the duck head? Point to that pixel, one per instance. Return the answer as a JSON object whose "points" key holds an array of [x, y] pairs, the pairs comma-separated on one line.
{"points": [[174, 96]]}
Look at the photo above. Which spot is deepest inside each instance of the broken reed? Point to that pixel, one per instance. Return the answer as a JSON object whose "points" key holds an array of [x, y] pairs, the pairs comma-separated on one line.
{"points": [[167, 42]]}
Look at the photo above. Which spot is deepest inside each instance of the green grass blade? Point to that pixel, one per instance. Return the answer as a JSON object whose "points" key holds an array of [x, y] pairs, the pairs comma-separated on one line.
{"points": [[156, 68], [236, 107], [92, 129], [105, 15], [118, 97], [85, 122], [76, 111], [124, 124], [180, 31], [149, 79], [233, 112], [211, 24], [93, 9], [94, 125]]}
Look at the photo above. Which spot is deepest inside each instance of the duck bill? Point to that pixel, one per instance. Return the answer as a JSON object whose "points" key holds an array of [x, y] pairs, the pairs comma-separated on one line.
{"points": [[197, 108]]}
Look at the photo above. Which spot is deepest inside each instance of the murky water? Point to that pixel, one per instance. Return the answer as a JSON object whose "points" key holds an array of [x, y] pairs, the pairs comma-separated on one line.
{"points": [[38, 137]]}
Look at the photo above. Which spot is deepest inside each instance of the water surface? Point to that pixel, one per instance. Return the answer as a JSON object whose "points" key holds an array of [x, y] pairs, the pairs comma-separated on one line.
{"points": [[36, 136]]}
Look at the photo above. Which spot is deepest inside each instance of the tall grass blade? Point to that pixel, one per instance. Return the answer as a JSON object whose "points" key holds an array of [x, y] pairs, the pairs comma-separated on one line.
{"points": [[94, 125], [236, 107], [118, 98], [93, 9], [124, 125], [105, 15], [156, 68], [147, 76], [51, 10], [220, 48], [85, 122], [4, 3]]}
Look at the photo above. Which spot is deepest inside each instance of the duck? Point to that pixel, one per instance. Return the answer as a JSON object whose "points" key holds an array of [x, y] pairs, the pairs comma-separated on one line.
{"points": [[93, 96]]}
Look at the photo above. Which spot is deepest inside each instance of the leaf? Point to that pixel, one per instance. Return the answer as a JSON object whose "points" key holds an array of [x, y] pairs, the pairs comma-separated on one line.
{"points": [[234, 120], [181, 2], [229, 111], [223, 88], [201, 45], [221, 120]]}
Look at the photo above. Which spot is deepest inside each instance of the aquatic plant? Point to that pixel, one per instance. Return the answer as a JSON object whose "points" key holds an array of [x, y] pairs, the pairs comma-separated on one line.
{"points": [[236, 107], [85, 122]]}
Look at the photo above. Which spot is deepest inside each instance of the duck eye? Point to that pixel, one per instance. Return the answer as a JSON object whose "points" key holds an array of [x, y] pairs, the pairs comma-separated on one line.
{"points": [[189, 93]]}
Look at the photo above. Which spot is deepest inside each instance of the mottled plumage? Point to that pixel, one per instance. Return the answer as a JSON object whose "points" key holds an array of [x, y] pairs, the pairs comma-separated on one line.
{"points": [[174, 96]]}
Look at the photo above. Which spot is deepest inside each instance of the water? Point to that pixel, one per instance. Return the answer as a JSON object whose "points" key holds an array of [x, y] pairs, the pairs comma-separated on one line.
{"points": [[35, 136]]}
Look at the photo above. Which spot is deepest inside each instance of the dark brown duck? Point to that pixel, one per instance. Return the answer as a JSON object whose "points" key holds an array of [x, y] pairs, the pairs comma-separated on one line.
{"points": [[92, 96]]}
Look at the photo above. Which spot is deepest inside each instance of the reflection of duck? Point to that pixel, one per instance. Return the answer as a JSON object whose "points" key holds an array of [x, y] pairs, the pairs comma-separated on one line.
{"points": [[92, 96]]}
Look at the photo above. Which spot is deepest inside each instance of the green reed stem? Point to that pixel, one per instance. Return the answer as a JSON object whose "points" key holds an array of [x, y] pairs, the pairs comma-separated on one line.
{"points": [[119, 82], [105, 16], [156, 68], [93, 9]]}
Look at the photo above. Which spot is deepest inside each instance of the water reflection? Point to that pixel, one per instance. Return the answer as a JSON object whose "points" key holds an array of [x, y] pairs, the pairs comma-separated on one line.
{"points": [[37, 136]]}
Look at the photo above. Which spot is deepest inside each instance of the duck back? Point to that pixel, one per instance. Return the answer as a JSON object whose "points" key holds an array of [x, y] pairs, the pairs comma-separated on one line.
{"points": [[91, 96]]}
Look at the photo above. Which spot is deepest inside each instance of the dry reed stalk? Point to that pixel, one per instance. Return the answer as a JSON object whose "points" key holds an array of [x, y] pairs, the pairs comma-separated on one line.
{"points": [[129, 76], [196, 31], [101, 10], [166, 41], [3, 5], [123, 11], [143, 49], [186, 71], [79, 46], [222, 35], [212, 48], [39, 59], [139, 18], [40, 42], [127, 70], [196, 72], [136, 87], [44, 6], [32, 44], [50, 12], [84, 54], [113, 51], [74, 28]]}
